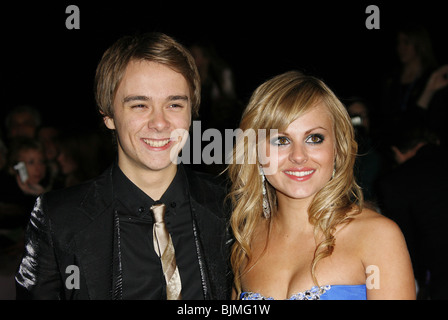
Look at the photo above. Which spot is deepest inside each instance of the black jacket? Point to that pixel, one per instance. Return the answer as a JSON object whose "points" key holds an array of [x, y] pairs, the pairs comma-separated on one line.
{"points": [[79, 227]]}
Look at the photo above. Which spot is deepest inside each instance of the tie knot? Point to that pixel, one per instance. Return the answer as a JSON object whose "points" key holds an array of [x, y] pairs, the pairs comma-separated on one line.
{"points": [[158, 211]]}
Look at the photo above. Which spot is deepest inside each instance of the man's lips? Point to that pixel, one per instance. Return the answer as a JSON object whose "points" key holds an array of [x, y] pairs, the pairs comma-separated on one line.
{"points": [[157, 143]]}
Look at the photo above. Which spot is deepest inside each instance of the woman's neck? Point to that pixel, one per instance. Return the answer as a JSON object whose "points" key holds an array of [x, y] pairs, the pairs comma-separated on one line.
{"points": [[292, 214]]}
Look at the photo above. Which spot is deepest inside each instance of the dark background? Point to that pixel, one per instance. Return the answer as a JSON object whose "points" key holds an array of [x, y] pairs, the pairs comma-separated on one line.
{"points": [[46, 65]]}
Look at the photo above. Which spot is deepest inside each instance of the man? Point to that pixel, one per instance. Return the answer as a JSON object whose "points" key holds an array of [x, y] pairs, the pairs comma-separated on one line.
{"points": [[147, 89]]}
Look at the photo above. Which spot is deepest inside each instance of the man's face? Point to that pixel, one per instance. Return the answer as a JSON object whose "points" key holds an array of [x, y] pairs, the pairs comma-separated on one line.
{"points": [[152, 109]]}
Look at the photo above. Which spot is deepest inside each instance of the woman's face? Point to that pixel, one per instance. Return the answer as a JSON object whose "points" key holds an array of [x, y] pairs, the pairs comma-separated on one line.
{"points": [[406, 49], [300, 160]]}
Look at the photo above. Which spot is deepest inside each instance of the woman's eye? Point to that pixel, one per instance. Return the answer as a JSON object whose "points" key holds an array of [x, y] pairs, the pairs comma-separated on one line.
{"points": [[315, 139], [280, 141]]}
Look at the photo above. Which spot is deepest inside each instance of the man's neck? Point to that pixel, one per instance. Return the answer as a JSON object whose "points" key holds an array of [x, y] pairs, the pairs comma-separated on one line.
{"points": [[152, 182]]}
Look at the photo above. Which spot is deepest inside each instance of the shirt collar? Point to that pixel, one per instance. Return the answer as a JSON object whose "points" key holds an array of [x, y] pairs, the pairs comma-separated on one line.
{"points": [[138, 202]]}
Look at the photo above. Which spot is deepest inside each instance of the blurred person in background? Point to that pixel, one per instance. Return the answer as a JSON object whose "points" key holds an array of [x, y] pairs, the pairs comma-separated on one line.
{"points": [[82, 156], [413, 195], [22, 121], [17, 195]]}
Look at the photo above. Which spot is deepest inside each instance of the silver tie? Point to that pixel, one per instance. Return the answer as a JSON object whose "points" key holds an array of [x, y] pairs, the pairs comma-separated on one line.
{"points": [[163, 245]]}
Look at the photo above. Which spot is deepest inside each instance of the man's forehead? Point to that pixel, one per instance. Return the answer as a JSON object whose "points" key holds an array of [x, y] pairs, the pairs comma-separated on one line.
{"points": [[145, 79]]}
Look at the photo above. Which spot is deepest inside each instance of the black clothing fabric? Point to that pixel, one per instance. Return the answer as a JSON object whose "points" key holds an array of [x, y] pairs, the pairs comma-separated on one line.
{"points": [[80, 227], [142, 271], [398, 98], [12, 195], [438, 117]]}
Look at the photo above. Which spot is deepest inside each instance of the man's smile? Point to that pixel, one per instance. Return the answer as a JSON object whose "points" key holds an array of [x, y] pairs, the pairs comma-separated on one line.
{"points": [[157, 143]]}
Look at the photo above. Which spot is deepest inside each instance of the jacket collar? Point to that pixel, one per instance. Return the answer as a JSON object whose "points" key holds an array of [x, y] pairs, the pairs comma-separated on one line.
{"points": [[95, 246]]}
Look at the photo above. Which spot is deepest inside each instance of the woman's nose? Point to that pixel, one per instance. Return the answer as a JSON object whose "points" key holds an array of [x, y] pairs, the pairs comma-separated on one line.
{"points": [[298, 154]]}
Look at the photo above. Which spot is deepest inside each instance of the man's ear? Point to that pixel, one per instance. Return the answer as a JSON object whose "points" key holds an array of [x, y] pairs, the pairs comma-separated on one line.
{"points": [[108, 121]]}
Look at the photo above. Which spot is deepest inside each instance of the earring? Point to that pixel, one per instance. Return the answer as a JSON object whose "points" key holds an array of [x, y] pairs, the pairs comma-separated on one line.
{"points": [[334, 172], [266, 206]]}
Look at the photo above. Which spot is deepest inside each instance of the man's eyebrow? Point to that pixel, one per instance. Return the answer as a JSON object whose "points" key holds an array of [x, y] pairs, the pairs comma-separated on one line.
{"points": [[135, 98], [146, 98], [177, 97]]}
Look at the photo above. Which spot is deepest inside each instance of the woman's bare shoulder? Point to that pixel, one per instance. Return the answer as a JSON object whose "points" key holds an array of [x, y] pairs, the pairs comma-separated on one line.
{"points": [[373, 223], [380, 243], [375, 233]]}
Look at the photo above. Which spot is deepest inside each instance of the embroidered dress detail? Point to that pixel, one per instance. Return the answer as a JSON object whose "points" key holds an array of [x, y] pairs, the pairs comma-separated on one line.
{"points": [[333, 292], [313, 294]]}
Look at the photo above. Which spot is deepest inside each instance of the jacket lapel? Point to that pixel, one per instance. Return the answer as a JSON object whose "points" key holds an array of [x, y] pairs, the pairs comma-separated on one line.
{"points": [[96, 244], [209, 227]]}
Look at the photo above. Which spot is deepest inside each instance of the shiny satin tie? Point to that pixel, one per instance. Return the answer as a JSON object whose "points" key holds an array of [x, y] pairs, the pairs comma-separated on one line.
{"points": [[163, 245]]}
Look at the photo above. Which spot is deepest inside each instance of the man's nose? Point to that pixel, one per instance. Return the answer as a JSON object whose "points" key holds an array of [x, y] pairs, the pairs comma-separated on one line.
{"points": [[158, 120]]}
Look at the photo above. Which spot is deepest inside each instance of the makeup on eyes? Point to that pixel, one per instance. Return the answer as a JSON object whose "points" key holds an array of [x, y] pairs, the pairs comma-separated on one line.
{"points": [[280, 140], [314, 138]]}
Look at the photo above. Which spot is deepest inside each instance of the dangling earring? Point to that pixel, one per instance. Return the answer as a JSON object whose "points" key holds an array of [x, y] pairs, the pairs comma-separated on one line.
{"points": [[334, 172], [266, 206]]}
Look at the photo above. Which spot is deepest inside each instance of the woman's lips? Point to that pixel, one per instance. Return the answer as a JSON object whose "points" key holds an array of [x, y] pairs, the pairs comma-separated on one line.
{"points": [[299, 175]]}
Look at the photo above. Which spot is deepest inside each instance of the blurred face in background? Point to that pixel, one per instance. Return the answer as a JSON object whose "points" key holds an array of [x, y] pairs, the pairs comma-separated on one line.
{"points": [[35, 164], [66, 163], [48, 136], [406, 49], [22, 125]]}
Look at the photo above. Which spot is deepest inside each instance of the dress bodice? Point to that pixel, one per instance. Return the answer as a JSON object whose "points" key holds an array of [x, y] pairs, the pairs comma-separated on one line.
{"points": [[328, 292]]}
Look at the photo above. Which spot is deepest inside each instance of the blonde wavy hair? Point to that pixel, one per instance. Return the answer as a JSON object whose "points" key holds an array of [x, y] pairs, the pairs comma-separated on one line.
{"points": [[274, 105]]}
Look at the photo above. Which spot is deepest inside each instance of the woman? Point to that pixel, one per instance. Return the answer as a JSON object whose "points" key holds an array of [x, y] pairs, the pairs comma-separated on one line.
{"points": [[403, 90], [300, 227]]}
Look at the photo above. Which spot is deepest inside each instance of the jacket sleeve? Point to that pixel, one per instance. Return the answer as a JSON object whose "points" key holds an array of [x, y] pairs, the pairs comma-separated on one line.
{"points": [[38, 276]]}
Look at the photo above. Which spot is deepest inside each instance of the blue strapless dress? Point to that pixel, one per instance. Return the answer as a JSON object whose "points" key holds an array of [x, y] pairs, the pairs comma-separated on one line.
{"points": [[336, 292]]}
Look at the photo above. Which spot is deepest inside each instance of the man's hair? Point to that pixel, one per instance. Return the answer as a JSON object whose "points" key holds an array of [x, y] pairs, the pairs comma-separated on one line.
{"points": [[154, 47]]}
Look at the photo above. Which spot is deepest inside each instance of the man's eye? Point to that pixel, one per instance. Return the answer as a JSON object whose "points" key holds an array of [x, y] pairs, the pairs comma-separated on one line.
{"points": [[315, 139], [175, 105], [137, 106]]}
